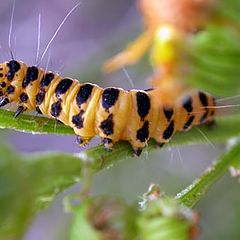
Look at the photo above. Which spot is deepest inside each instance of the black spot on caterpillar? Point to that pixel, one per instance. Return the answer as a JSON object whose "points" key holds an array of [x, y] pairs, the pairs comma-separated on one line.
{"points": [[143, 104], [187, 104], [3, 84], [204, 116], [168, 113], [10, 89], [109, 97], [63, 86], [143, 133], [111, 113], [169, 131], [46, 79], [56, 109], [32, 74], [23, 97], [78, 119], [203, 99], [13, 66], [40, 97], [107, 125], [84, 93], [188, 123]]}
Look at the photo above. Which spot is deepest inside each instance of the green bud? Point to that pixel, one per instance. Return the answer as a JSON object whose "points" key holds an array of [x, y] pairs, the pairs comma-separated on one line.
{"points": [[165, 218]]}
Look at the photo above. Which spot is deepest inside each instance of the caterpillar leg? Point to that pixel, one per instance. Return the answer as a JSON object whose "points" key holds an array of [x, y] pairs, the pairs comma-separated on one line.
{"points": [[4, 101], [211, 124], [137, 152], [19, 111], [131, 54], [160, 144], [81, 141], [108, 144]]}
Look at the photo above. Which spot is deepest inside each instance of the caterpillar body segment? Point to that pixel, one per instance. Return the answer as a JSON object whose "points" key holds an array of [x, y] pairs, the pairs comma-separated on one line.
{"points": [[112, 113]]}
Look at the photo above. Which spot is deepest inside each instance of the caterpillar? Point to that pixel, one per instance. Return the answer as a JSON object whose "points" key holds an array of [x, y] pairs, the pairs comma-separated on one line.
{"points": [[112, 113]]}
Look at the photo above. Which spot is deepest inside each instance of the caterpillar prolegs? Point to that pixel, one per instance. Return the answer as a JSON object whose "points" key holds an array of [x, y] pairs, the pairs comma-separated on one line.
{"points": [[112, 113]]}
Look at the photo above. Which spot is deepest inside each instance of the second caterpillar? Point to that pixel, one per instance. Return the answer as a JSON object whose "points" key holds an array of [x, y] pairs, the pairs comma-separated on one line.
{"points": [[112, 113]]}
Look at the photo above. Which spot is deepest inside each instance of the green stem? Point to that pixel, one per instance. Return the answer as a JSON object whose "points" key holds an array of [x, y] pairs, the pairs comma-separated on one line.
{"points": [[99, 158], [32, 124], [193, 193], [42, 125]]}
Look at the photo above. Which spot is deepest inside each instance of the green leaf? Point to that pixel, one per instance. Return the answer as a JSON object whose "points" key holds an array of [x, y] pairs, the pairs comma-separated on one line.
{"points": [[15, 196], [29, 183]]}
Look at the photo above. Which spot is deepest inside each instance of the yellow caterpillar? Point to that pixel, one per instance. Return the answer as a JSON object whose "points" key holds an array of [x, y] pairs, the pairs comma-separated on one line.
{"points": [[112, 113]]}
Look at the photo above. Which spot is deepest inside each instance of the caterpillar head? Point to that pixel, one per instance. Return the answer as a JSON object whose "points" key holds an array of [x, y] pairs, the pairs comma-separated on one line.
{"points": [[8, 71], [3, 79]]}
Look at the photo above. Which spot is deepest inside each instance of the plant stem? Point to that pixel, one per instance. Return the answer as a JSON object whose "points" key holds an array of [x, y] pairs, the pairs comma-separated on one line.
{"points": [[99, 158], [222, 131], [32, 124], [193, 193]]}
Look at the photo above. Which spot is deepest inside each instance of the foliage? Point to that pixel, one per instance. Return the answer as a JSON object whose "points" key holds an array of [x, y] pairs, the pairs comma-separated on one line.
{"points": [[214, 67]]}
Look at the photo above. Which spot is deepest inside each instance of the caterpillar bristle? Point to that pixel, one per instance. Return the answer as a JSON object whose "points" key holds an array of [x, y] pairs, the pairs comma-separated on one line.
{"points": [[112, 113]]}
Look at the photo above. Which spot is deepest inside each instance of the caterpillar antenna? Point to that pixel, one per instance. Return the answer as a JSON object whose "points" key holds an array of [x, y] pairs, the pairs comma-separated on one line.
{"points": [[38, 37], [58, 29], [10, 30]]}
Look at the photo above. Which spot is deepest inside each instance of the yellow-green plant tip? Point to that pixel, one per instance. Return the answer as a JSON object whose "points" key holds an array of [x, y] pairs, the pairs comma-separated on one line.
{"points": [[165, 228], [166, 218]]}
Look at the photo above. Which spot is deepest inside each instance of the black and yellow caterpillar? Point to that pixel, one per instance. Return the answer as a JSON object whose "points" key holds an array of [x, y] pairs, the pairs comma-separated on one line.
{"points": [[112, 113]]}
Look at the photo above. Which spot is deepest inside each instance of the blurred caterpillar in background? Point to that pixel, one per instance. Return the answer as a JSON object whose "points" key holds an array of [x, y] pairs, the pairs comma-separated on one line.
{"points": [[167, 24], [162, 19], [112, 113]]}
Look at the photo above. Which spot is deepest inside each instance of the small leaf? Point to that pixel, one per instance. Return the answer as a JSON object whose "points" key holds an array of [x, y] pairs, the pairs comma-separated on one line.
{"points": [[103, 218], [81, 226]]}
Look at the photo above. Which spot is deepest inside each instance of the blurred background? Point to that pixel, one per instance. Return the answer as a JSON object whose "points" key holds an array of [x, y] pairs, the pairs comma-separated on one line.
{"points": [[97, 30]]}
